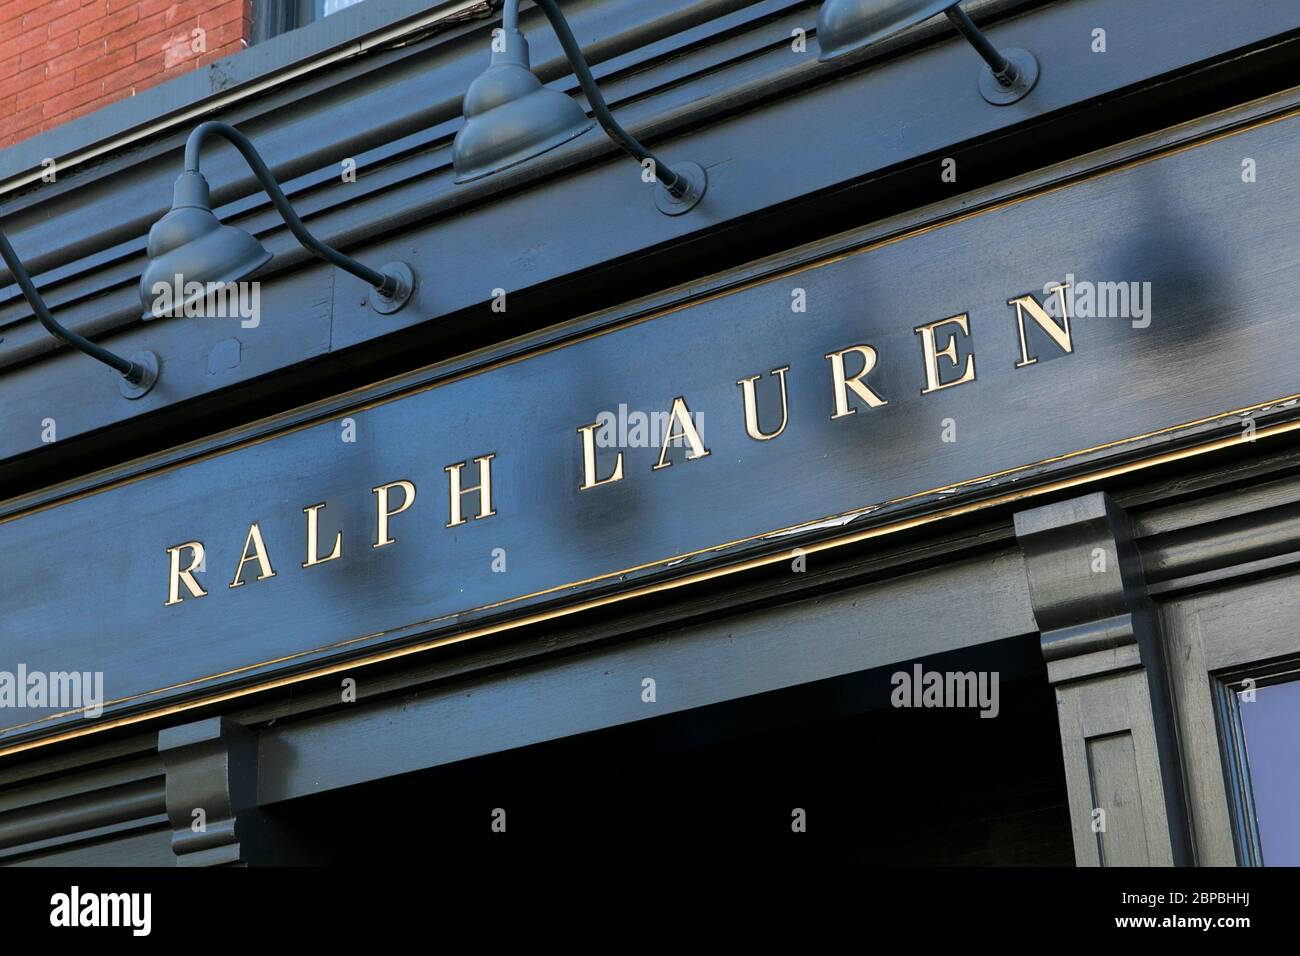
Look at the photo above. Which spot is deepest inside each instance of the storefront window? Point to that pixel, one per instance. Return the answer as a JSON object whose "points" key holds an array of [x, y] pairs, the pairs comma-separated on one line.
{"points": [[325, 7], [1271, 726], [273, 17]]}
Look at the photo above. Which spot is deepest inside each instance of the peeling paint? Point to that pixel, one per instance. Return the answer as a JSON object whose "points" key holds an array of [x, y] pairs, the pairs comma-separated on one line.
{"points": [[836, 522]]}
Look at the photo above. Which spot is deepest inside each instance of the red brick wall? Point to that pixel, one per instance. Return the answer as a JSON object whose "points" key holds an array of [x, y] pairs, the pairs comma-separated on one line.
{"points": [[60, 59]]}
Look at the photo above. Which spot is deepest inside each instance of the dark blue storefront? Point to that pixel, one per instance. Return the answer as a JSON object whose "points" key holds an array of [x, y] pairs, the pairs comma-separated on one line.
{"points": [[705, 475]]}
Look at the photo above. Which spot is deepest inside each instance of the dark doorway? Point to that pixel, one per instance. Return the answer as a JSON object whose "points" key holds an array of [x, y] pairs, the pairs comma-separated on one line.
{"points": [[877, 784]]}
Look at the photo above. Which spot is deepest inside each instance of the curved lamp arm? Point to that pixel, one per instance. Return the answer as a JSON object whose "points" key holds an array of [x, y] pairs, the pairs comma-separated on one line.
{"points": [[1004, 71], [389, 286], [1011, 73], [137, 374], [679, 186]]}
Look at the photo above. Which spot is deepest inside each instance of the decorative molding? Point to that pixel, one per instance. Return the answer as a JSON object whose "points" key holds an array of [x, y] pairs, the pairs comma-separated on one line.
{"points": [[54, 822], [212, 792], [1215, 551], [89, 797], [1106, 658], [1081, 579]]}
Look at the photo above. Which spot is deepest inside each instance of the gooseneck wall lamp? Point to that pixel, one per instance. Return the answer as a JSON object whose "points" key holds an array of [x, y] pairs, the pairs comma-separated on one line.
{"points": [[191, 251], [847, 25], [138, 373], [511, 117]]}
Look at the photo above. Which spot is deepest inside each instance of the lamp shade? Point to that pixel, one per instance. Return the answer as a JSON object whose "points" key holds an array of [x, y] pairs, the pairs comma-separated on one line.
{"points": [[847, 25], [190, 245], [510, 116]]}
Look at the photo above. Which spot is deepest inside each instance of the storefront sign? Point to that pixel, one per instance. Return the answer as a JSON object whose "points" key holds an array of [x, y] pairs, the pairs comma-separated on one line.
{"points": [[944, 354], [989, 356]]}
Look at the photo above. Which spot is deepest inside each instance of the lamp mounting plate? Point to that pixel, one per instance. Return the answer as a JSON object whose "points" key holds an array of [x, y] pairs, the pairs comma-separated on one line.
{"points": [[387, 304], [1026, 65], [151, 364], [697, 182]]}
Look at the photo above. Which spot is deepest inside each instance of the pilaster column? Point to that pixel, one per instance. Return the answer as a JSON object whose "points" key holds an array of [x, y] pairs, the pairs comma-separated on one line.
{"points": [[1106, 659]]}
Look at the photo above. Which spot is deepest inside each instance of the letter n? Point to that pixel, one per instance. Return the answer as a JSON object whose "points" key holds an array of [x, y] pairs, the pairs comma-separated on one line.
{"points": [[1060, 334]]}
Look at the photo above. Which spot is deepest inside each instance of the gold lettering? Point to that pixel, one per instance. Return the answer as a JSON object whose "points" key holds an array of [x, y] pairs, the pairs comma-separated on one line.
{"points": [[589, 479], [259, 552], [313, 536], [1059, 334], [751, 405], [844, 383], [680, 416], [949, 351], [381, 503], [177, 575], [484, 489]]}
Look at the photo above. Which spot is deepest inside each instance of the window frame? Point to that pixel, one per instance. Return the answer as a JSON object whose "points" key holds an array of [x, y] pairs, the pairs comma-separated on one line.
{"points": [[273, 17], [1216, 637], [1233, 746]]}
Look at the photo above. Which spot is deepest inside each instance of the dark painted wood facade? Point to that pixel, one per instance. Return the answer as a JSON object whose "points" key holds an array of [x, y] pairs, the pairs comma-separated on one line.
{"points": [[1097, 517]]}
